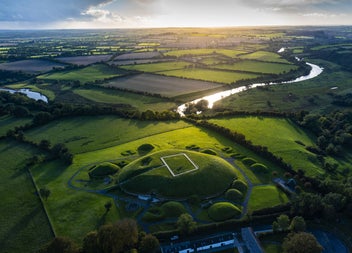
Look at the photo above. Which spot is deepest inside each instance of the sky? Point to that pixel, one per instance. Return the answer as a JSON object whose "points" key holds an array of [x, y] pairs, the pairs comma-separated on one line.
{"points": [[75, 14]]}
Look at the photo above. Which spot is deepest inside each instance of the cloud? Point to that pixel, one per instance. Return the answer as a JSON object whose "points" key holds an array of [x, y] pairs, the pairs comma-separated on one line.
{"points": [[45, 10]]}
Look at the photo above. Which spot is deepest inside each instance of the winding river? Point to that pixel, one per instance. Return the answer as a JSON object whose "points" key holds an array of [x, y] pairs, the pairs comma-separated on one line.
{"points": [[314, 72]]}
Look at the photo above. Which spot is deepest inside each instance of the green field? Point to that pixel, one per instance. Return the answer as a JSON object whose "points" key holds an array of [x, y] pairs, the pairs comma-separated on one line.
{"points": [[258, 67], [80, 134], [23, 224], [266, 196], [226, 52], [210, 75], [280, 136], [264, 56], [10, 122], [87, 74], [157, 67], [110, 96], [213, 177]]}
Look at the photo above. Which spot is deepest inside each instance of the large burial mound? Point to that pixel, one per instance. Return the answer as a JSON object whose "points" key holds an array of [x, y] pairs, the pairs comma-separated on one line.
{"points": [[177, 174]]}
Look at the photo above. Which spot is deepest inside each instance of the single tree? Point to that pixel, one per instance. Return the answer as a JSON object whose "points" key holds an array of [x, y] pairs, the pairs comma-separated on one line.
{"points": [[301, 242], [108, 206], [185, 224], [149, 244], [298, 224], [284, 222], [45, 193]]}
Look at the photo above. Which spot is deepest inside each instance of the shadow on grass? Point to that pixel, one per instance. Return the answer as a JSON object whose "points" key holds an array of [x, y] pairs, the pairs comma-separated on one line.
{"points": [[101, 221]]}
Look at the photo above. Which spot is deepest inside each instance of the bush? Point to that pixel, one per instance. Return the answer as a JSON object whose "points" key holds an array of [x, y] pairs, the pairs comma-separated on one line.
{"points": [[103, 170], [249, 161], [240, 185], [173, 209], [145, 148], [209, 152], [234, 195], [223, 211], [259, 168]]}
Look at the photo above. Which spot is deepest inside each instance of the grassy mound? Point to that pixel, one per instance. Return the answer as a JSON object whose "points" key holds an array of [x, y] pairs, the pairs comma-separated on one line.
{"points": [[223, 211], [209, 152], [240, 185], [103, 170], [212, 176], [249, 161], [234, 195], [259, 168], [170, 209], [145, 148]]}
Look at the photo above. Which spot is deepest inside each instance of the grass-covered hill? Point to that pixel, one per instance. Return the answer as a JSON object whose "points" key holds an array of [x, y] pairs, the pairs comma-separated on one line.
{"points": [[149, 175]]}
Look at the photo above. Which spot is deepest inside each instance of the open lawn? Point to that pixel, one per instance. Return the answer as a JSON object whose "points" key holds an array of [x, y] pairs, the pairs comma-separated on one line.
{"points": [[266, 196], [280, 136], [264, 56], [87, 74], [165, 86], [141, 102], [84, 60], [82, 134], [23, 224], [258, 67], [210, 75], [157, 67], [31, 66], [187, 52]]}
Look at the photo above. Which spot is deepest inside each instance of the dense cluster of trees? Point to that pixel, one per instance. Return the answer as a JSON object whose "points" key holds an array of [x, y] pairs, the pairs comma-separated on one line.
{"points": [[333, 130], [122, 236], [13, 76]]}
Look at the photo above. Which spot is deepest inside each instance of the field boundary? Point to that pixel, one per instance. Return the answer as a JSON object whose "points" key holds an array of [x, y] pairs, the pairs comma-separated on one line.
{"points": [[182, 173]]}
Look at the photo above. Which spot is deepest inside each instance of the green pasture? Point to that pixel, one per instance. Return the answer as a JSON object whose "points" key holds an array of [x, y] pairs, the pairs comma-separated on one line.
{"points": [[82, 134], [258, 67], [23, 224], [280, 136], [8, 122], [73, 213], [210, 75], [334, 46], [110, 96], [266, 196], [213, 177], [204, 51], [264, 56], [157, 67], [87, 74]]}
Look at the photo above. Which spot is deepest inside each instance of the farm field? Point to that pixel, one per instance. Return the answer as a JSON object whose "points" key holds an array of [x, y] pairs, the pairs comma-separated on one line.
{"points": [[264, 56], [225, 52], [141, 55], [23, 224], [80, 134], [87, 74], [130, 62], [157, 67], [280, 136], [31, 66], [266, 196], [84, 60], [209, 75], [165, 86], [109, 96], [258, 67]]}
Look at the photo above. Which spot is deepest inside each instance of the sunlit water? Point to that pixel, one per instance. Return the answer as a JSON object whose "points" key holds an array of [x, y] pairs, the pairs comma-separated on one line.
{"points": [[315, 71], [31, 94]]}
